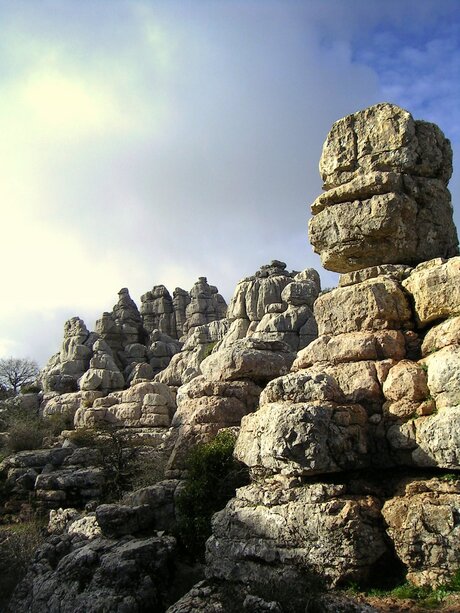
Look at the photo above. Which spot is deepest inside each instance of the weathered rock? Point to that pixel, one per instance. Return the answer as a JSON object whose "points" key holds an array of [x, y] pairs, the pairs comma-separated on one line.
{"points": [[103, 373], [181, 299], [398, 272], [120, 519], [161, 349], [201, 341], [157, 311], [65, 368], [435, 287], [444, 334], [147, 404], [443, 369], [375, 304], [68, 404], [275, 532], [307, 438], [203, 408], [387, 200], [160, 501], [423, 524], [352, 347], [206, 305], [69, 575], [60, 519], [253, 294], [59, 476], [86, 527], [438, 439], [250, 358]]}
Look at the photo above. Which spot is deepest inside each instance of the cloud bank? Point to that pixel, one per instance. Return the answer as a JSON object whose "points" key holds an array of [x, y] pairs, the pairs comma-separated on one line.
{"points": [[155, 142]]}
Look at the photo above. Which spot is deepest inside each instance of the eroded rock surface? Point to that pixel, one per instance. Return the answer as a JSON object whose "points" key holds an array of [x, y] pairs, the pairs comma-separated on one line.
{"points": [[387, 200]]}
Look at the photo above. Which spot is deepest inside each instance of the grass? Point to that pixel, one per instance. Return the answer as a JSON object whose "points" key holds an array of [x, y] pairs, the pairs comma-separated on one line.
{"points": [[427, 597]]}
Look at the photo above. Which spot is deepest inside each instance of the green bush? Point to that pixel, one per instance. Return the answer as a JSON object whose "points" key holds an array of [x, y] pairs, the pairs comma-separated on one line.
{"points": [[30, 389], [213, 476], [18, 543]]}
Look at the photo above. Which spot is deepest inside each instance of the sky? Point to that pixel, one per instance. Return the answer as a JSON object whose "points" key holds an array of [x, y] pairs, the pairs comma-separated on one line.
{"points": [[146, 142]]}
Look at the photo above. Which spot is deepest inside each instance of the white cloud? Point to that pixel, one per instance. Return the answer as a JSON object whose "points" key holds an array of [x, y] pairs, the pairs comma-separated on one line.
{"points": [[147, 143]]}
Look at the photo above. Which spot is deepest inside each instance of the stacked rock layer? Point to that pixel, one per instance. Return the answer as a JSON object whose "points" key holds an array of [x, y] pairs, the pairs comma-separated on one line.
{"points": [[378, 388]]}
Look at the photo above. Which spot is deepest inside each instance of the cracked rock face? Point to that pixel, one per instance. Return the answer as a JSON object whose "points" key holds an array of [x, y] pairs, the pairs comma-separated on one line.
{"points": [[387, 200]]}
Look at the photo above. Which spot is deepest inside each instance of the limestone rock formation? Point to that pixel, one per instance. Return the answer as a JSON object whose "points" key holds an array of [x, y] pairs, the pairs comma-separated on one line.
{"points": [[103, 373], [320, 528], [177, 315], [249, 358], [77, 574], [423, 524], [203, 408], [157, 311], [123, 329], [185, 365], [147, 404], [65, 368], [387, 200], [252, 297], [272, 305], [206, 305], [56, 477], [292, 320], [361, 395]]}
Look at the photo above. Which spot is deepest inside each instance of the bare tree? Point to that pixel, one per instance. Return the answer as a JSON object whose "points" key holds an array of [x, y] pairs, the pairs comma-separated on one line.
{"points": [[16, 372]]}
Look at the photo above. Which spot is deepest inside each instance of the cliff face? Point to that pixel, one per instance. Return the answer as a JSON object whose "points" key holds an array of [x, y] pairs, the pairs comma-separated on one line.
{"points": [[346, 402]]}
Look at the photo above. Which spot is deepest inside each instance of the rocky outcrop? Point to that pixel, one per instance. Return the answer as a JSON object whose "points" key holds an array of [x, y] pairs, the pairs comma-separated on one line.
{"points": [[272, 305], [122, 329], [147, 404], [203, 408], [320, 529], [72, 573], [132, 344], [387, 200], [206, 305], [335, 397], [103, 373], [201, 341], [424, 525], [55, 477], [65, 368], [361, 395], [177, 315], [292, 320], [259, 307]]}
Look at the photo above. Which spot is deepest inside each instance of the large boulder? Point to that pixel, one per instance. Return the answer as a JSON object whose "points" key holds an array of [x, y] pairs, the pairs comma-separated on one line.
{"points": [[283, 533], [387, 200], [249, 358], [423, 524]]}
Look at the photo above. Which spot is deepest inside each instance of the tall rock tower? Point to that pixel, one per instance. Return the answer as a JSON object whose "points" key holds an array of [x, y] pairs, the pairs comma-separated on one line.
{"points": [[387, 200], [378, 389]]}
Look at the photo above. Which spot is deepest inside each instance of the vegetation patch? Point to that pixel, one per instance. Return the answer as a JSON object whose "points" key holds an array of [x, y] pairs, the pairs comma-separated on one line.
{"points": [[18, 543], [213, 476], [426, 597]]}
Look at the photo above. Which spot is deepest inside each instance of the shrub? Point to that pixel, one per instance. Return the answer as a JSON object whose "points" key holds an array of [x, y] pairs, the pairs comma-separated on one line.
{"points": [[30, 389], [25, 428], [213, 476], [17, 545]]}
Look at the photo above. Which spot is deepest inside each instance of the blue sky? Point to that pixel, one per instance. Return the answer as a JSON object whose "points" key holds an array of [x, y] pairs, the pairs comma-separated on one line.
{"points": [[154, 142]]}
